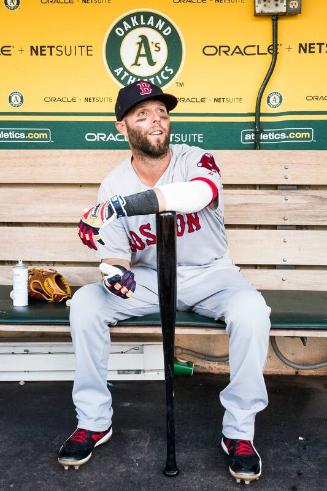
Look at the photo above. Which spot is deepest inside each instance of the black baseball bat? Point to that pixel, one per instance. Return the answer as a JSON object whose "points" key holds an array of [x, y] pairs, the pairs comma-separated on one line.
{"points": [[167, 288]]}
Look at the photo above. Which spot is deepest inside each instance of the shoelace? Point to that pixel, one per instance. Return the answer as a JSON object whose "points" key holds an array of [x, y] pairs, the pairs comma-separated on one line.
{"points": [[243, 447]]}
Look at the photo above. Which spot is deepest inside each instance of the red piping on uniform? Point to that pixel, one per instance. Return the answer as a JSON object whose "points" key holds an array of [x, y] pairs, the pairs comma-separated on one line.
{"points": [[212, 185]]}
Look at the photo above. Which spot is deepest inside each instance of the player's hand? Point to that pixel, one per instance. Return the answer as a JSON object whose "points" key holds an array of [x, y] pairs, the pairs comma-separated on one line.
{"points": [[99, 216], [92, 221], [118, 280]]}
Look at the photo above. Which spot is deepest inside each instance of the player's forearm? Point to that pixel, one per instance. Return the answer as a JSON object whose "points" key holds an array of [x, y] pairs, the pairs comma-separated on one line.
{"points": [[185, 197]]}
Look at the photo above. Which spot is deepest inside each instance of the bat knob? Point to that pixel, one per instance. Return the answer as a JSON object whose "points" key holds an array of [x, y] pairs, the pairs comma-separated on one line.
{"points": [[171, 472]]}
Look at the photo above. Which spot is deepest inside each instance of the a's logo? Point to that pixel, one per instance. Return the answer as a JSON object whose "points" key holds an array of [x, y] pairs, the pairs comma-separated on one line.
{"points": [[15, 99], [208, 162], [274, 99], [143, 44], [12, 4], [145, 88]]}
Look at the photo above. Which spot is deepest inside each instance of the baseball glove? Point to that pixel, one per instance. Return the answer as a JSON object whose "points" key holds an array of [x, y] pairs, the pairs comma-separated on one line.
{"points": [[47, 284]]}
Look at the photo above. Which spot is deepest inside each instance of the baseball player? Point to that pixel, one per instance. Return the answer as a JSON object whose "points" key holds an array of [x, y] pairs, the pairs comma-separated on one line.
{"points": [[160, 177]]}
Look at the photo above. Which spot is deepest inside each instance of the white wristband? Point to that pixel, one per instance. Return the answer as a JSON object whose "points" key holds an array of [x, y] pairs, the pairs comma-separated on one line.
{"points": [[109, 270]]}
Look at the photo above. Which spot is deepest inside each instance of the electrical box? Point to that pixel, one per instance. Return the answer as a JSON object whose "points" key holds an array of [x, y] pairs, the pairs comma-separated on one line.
{"points": [[277, 7]]}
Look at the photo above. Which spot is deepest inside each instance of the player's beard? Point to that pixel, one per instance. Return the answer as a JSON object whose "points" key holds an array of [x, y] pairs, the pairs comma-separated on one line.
{"points": [[141, 143]]}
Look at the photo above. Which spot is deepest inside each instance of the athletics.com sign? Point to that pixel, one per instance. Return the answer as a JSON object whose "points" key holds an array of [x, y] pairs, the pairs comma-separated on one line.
{"points": [[284, 135]]}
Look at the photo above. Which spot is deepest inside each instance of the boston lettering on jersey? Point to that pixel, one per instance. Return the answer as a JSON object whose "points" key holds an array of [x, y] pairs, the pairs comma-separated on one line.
{"points": [[144, 237]]}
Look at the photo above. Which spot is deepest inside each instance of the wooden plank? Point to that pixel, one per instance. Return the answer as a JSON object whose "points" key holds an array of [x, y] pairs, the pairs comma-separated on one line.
{"points": [[280, 207], [248, 247], [58, 166], [75, 275], [44, 244], [12, 328], [7, 328], [46, 203], [280, 247], [272, 156], [257, 172], [263, 278], [153, 330], [65, 204], [299, 333], [273, 167], [287, 279], [91, 166]]}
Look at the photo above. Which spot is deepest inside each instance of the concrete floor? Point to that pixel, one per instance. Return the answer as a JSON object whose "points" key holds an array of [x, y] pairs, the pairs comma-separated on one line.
{"points": [[37, 417]]}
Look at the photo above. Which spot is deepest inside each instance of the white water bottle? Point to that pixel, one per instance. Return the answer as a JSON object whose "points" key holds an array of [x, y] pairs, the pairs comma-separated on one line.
{"points": [[20, 284]]}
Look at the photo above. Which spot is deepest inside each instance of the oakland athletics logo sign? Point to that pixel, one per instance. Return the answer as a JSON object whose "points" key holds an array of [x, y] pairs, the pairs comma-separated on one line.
{"points": [[143, 44]]}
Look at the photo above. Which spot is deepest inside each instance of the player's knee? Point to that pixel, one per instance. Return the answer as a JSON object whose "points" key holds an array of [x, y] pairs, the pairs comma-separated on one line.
{"points": [[84, 306], [80, 297], [248, 310]]}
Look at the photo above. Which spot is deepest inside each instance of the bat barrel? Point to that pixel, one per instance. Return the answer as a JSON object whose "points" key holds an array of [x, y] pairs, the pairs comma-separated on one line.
{"points": [[167, 290]]}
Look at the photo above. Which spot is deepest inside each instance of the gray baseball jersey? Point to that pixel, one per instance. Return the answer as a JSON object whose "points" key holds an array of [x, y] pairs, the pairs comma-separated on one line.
{"points": [[201, 252], [201, 236]]}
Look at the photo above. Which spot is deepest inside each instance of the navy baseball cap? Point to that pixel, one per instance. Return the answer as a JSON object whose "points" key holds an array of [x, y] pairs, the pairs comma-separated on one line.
{"points": [[140, 91]]}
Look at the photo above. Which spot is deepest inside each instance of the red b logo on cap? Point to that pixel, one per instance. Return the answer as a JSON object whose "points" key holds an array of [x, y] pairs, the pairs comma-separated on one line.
{"points": [[145, 88]]}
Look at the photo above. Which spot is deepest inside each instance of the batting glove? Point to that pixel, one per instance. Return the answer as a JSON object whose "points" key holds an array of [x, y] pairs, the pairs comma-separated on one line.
{"points": [[118, 280], [101, 214]]}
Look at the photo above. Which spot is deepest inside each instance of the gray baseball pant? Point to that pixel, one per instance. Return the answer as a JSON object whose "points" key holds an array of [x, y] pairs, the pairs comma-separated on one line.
{"points": [[210, 291]]}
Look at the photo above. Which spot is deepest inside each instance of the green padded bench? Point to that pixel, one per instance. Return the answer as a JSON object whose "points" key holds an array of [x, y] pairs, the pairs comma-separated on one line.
{"points": [[294, 313]]}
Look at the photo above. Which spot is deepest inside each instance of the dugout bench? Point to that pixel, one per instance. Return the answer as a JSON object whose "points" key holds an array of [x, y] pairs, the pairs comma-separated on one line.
{"points": [[275, 215]]}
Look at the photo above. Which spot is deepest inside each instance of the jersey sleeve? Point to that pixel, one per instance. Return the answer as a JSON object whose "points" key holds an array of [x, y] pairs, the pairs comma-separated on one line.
{"points": [[116, 244], [105, 192], [202, 166]]}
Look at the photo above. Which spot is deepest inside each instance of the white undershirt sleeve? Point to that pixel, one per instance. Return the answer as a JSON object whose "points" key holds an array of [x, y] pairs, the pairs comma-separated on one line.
{"points": [[186, 197]]}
